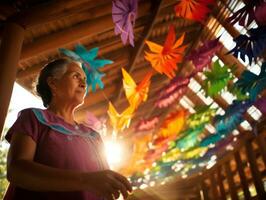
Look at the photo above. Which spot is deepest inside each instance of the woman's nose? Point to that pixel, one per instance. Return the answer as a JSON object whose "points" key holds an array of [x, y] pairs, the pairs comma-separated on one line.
{"points": [[82, 83]]}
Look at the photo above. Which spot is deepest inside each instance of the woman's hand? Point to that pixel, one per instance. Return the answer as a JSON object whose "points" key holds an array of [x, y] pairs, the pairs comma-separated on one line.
{"points": [[107, 183]]}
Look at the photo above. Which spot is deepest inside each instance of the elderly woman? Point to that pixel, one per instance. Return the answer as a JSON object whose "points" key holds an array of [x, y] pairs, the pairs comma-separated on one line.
{"points": [[53, 157]]}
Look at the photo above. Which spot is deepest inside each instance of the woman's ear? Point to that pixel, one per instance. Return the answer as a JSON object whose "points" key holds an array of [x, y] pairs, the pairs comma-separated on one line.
{"points": [[51, 83]]}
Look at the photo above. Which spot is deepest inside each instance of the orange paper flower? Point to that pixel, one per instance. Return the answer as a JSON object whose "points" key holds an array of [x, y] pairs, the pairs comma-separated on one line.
{"points": [[193, 9], [164, 59]]}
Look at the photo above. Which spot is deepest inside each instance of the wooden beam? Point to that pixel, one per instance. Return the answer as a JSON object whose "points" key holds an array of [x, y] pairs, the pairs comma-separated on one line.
{"points": [[5, 11], [214, 189], [222, 20], [254, 170], [51, 11], [230, 179], [242, 176], [262, 146], [205, 190], [220, 183]]}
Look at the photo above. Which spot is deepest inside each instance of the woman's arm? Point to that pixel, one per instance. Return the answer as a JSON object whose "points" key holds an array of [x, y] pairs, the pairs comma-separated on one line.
{"points": [[22, 171]]}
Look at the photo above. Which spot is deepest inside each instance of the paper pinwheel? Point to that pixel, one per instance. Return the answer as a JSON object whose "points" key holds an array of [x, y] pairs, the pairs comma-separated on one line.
{"points": [[120, 121], [136, 93], [124, 13], [147, 124], [90, 65], [193, 9], [251, 46], [217, 79], [164, 59], [252, 83], [202, 57], [172, 92]]}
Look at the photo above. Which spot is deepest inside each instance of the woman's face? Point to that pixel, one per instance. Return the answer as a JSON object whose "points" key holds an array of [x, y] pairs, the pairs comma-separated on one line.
{"points": [[71, 87]]}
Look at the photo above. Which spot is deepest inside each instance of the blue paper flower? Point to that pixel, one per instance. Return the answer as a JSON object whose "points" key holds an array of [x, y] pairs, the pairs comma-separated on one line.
{"points": [[90, 64]]}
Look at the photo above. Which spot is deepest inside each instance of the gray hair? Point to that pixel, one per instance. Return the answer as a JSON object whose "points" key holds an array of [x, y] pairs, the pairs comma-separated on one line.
{"points": [[57, 69]]}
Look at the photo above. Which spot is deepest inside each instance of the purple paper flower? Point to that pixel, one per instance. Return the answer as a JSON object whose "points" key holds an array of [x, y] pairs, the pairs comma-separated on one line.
{"points": [[124, 13], [261, 105], [202, 57]]}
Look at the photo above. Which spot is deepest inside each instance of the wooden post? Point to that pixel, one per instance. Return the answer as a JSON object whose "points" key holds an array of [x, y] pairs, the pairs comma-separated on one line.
{"points": [[220, 182], [204, 190], [262, 146], [254, 171], [214, 186], [229, 176], [10, 49], [242, 176]]}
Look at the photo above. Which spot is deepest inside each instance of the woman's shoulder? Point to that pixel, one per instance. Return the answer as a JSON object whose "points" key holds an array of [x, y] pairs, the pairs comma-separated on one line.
{"points": [[27, 112]]}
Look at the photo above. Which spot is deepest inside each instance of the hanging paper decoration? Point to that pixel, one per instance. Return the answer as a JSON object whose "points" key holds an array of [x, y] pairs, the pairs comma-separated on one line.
{"points": [[172, 155], [147, 124], [190, 138], [237, 92], [260, 14], [217, 79], [164, 59], [194, 153], [120, 121], [261, 104], [203, 115], [251, 46], [124, 14], [245, 15], [224, 124], [154, 154], [170, 128], [90, 65], [193, 9], [173, 124], [136, 163], [172, 92], [252, 83], [175, 154], [202, 57], [136, 93]]}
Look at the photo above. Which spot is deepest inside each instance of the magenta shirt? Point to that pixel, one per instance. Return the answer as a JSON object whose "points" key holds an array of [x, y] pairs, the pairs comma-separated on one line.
{"points": [[60, 145]]}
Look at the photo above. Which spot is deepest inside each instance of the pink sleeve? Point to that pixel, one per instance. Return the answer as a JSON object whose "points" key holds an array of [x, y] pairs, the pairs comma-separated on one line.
{"points": [[26, 123]]}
